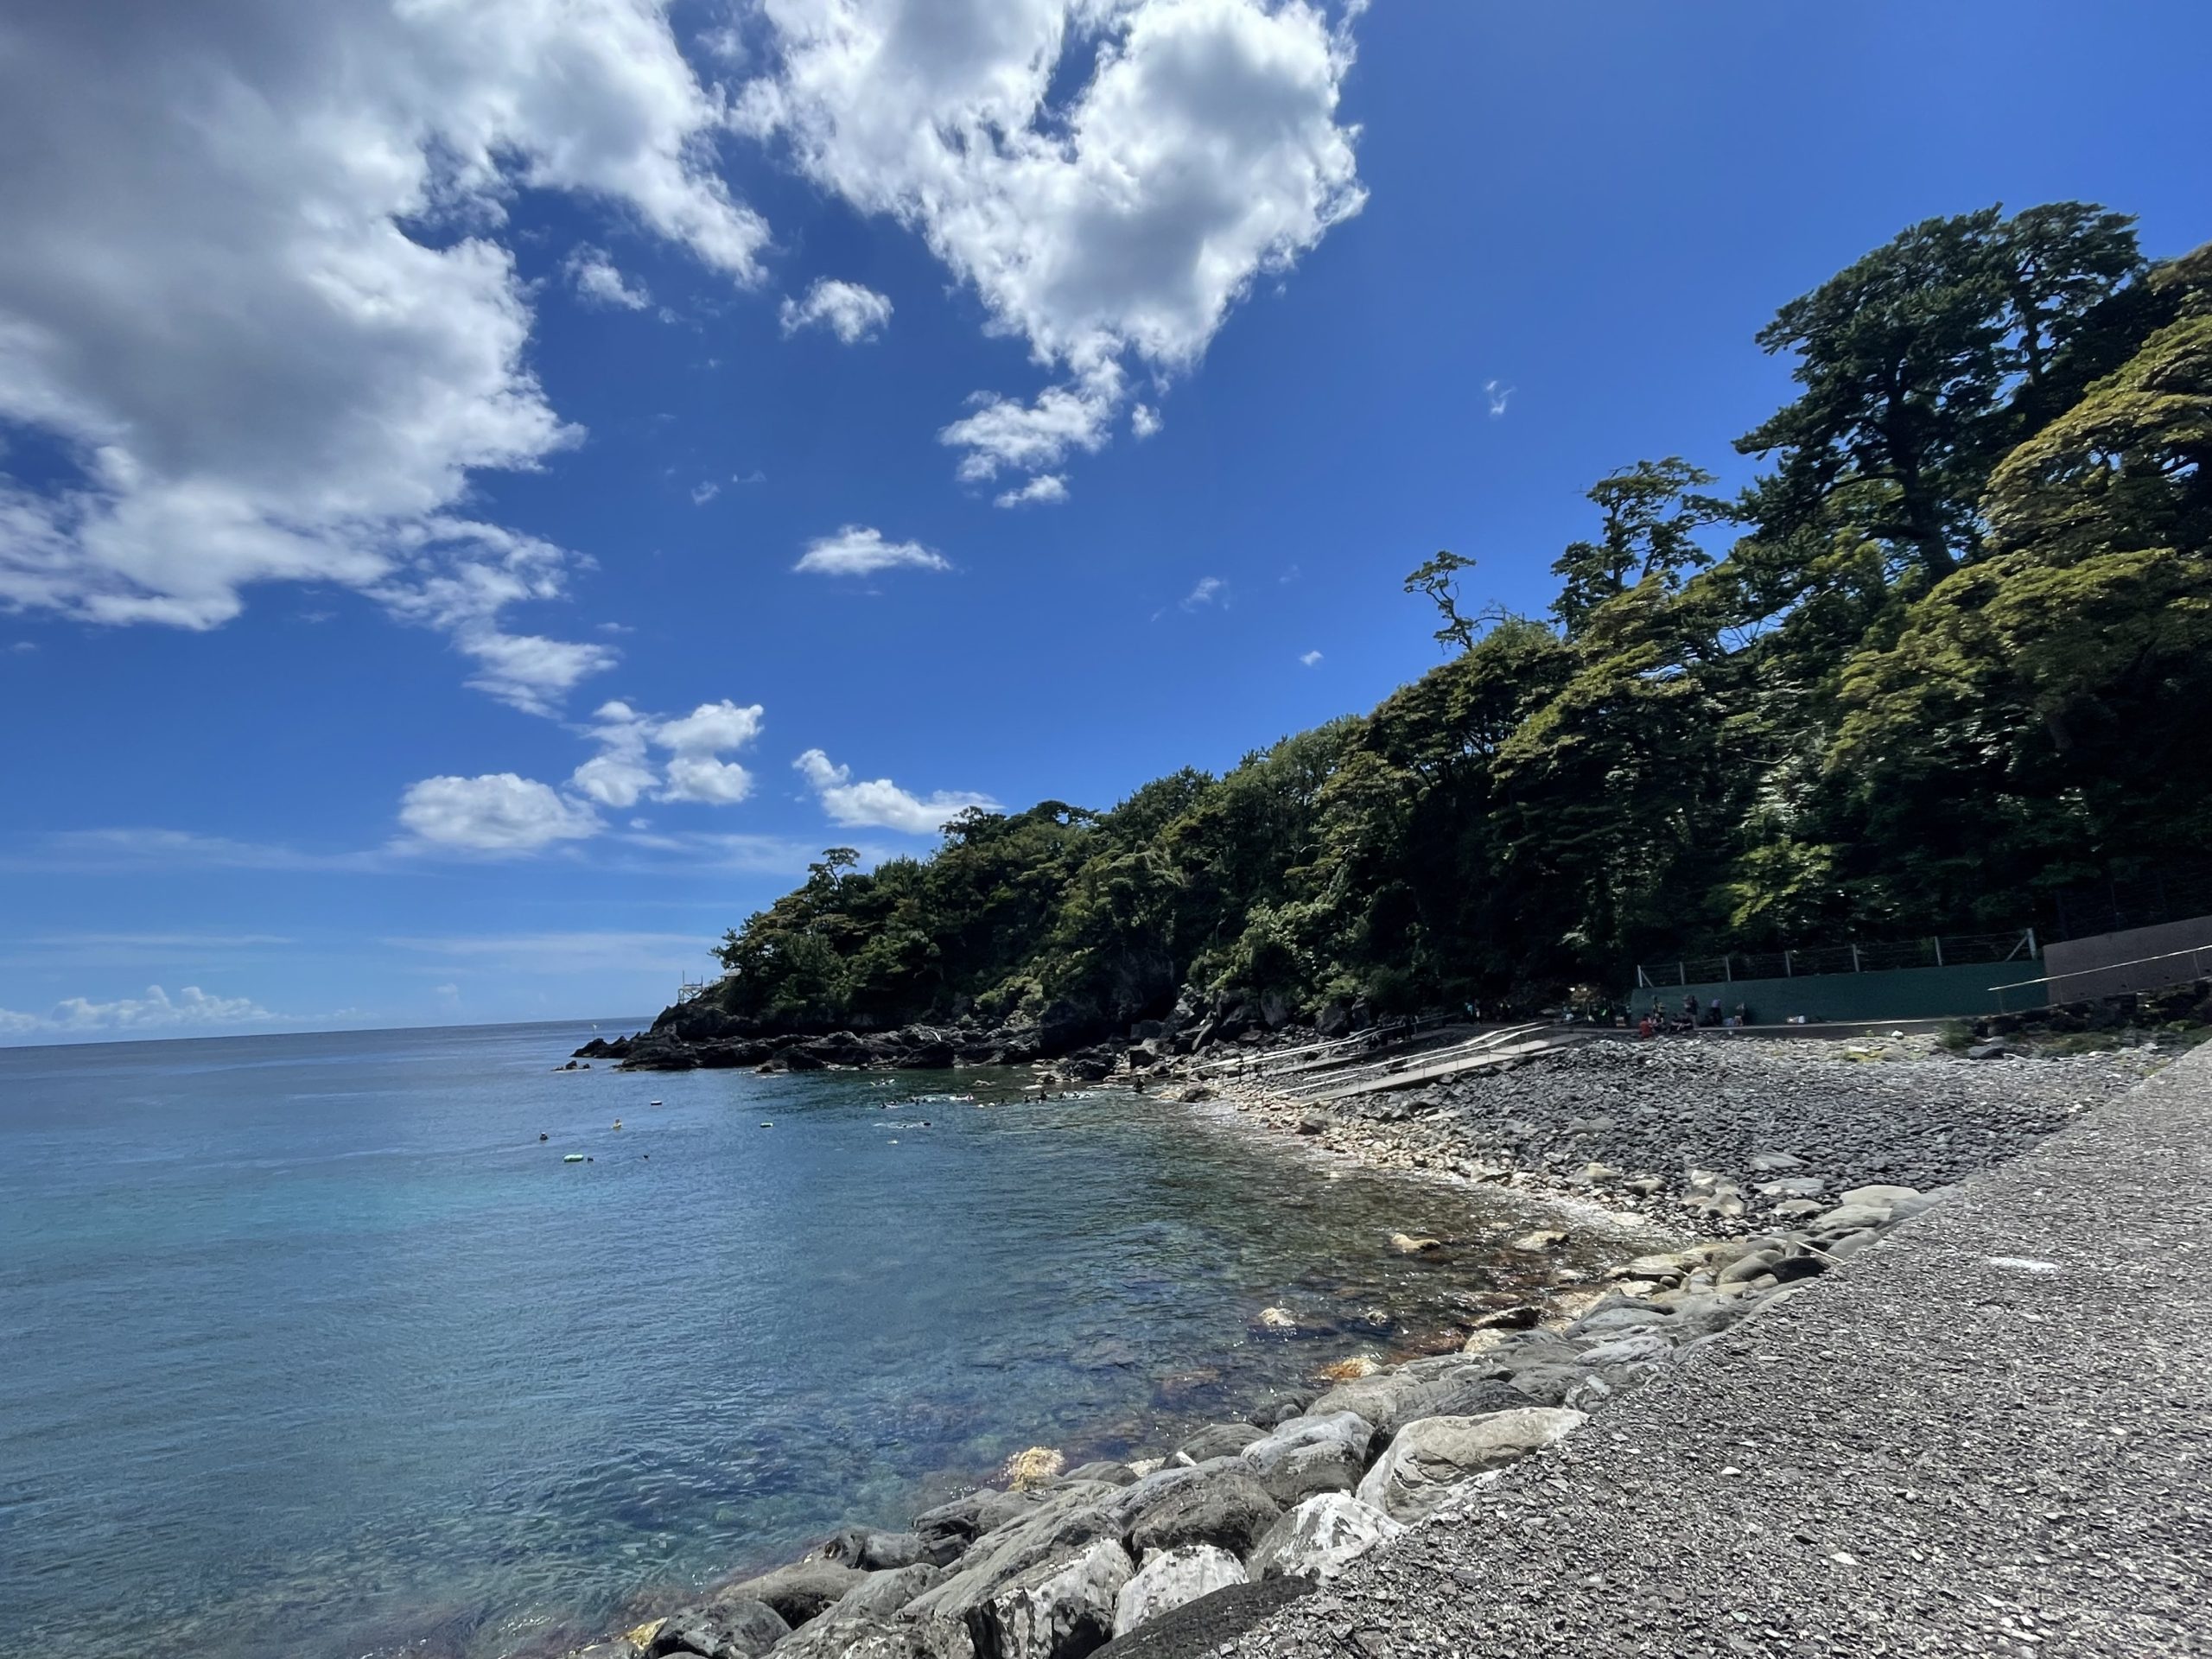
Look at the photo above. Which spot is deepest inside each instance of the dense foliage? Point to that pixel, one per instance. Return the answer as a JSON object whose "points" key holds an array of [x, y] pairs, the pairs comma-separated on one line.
{"points": [[1956, 646]]}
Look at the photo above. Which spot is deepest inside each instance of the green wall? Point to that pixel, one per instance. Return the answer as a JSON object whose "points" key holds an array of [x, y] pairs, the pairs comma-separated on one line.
{"points": [[1894, 994]]}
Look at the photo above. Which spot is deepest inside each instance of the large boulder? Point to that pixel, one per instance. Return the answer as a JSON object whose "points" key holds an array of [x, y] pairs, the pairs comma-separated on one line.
{"points": [[1058, 1609], [796, 1593], [1106, 1469], [835, 1637], [1218, 1440], [1550, 1384], [1430, 1457], [881, 1595], [1277, 1407], [1203, 1626], [1065, 1522], [1229, 1508], [1457, 1387], [1314, 1453], [1321, 1537], [1172, 1578], [951, 1528], [736, 1628]]}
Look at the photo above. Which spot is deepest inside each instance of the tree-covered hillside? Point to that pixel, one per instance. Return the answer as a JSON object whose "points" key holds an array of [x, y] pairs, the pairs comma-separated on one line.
{"points": [[1953, 646]]}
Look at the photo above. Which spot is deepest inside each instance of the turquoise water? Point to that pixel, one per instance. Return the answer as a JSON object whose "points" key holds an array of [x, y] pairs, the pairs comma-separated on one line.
{"points": [[313, 1348]]}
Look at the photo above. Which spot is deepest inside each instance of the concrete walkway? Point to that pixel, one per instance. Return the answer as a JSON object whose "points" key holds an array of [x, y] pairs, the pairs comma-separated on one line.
{"points": [[1992, 1433]]}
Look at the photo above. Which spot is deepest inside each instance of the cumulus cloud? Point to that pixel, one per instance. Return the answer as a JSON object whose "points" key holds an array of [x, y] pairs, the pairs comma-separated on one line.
{"points": [[1200, 149], [190, 1008], [1144, 420], [599, 281], [499, 812], [701, 778], [1003, 434], [1497, 392], [880, 803], [1044, 489], [1312, 660], [846, 309], [711, 728], [623, 772], [857, 551], [254, 289]]}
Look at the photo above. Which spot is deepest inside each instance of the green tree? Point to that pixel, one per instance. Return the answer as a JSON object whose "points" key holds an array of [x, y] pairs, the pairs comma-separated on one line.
{"points": [[1908, 360], [1652, 513], [1439, 579]]}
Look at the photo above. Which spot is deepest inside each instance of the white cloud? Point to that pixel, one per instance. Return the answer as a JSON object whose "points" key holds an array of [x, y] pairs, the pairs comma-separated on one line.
{"points": [[1497, 392], [846, 309], [1003, 434], [1312, 660], [499, 812], [1201, 150], [1044, 489], [252, 287], [881, 803], [701, 778], [599, 281], [711, 728], [190, 1008], [622, 773], [856, 550], [703, 492], [1210, 590], [614, 780], [1144, 420]]}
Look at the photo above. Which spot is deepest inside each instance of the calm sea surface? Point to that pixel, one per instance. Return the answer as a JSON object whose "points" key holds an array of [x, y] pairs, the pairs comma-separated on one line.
{"points": [[310, 1347]]}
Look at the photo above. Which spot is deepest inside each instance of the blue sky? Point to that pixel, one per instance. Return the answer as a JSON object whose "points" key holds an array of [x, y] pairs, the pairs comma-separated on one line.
{"points": [[487, 491]]}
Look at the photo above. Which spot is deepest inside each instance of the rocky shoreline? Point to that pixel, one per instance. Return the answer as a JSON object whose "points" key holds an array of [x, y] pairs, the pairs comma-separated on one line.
{"points": [[1774, 1161]]}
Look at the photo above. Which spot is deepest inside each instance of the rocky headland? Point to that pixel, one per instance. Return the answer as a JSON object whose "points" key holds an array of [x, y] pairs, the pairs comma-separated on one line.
{"points": [[1775, 1162]]}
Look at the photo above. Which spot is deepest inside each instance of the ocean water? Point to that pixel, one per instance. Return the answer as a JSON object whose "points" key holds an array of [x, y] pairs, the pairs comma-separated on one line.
{"points": [[312, 1348]]}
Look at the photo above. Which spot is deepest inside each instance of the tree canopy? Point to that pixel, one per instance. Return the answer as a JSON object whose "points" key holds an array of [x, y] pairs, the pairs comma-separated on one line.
{"points": [[1953, 647]]}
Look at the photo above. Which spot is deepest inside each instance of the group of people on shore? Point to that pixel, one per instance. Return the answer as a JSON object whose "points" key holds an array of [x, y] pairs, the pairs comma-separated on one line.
{"points": [[1658, 1020]]}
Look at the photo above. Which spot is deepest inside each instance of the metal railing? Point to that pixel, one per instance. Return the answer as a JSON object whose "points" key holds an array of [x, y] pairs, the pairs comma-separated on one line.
{"points": [[1948, 950], [2199, 958]]}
